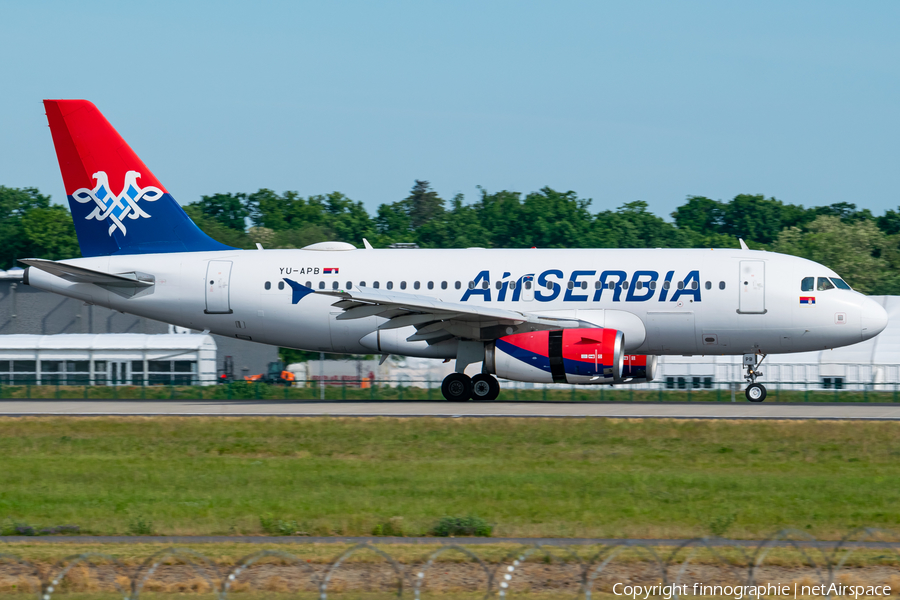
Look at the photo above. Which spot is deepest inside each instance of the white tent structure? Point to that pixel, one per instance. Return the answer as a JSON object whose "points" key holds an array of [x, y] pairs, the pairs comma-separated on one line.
{"points": [[108, 359], [873, 364]]}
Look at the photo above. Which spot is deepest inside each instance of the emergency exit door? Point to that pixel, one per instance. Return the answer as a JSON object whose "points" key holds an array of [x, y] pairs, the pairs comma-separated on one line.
{"points": [[753, 287], [218, 284]]}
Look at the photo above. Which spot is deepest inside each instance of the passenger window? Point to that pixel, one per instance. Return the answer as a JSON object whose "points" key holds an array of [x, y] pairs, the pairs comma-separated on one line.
{"points": [[571, 285], [652, 285], [807, 283], [695, 285], [512, 285], [334, 285], [527, 285], [498, 285], [362, 284], [443, 285], [598, 284], [280, 285], [471, 285], [824, 284], [376, 285], [457, 285], [841, 283], [721, 285], [667, 285], [268, 285], [485, 284], [390, 285], [430, 285], [584, 285], [638, 285], [402, 285], [416, 285], [321, 285], [709, 285], [680, 285], [624, 285], [309, 284], [549, 285], [349, 285]]}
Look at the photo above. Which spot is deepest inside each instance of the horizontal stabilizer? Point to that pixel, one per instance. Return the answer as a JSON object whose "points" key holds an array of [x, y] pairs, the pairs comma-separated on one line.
{"points": [[82, 275]]}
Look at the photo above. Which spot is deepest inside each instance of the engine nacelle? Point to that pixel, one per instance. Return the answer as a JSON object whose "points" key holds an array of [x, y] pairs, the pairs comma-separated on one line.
{"points": [[638, 368], [586, 356]]}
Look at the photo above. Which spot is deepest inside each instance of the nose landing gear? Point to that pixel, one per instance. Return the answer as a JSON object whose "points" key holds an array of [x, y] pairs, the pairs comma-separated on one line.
{"points": [[755, 392]]}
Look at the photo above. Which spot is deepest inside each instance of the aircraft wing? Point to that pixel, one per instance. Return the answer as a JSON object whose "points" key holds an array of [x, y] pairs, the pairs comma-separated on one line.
{"points": [[436, 320]]}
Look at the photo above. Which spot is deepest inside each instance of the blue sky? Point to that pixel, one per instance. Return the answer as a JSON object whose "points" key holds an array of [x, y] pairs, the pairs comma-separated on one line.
{"points": [[619, 102]]}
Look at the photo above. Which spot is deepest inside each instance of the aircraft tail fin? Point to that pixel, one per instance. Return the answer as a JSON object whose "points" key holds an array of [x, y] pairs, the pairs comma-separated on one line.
{"points": [[118, 205]]}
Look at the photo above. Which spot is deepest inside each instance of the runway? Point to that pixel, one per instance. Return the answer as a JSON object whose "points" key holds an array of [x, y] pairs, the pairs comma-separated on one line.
{"points": [[621, 410]]}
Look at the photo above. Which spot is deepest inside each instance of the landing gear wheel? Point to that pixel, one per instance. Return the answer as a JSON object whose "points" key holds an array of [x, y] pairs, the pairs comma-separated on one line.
{"points": [[756, 392], [485, 387], [457, 387]]}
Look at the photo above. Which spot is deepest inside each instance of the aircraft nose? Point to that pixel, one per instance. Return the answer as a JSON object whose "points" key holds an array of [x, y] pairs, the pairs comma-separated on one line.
{"points": [[873, 319]]}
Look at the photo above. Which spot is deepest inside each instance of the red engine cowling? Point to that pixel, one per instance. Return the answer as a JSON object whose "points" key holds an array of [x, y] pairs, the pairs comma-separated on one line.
{"points": [[638, 368], [562, 356]]}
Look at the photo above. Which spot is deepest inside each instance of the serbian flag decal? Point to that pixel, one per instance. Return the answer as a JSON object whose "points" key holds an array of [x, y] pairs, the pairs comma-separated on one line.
{"points": [[330, 271], [807, 300]]}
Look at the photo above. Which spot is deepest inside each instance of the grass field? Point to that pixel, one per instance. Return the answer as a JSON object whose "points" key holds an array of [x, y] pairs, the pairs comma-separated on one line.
{"points": [[527, 477]]}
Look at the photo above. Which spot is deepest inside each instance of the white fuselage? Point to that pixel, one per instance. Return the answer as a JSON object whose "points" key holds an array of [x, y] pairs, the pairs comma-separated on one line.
{"points": [[745, 302]]}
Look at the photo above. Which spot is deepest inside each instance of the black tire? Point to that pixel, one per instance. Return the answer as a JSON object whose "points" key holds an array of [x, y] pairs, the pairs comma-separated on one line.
{"points": [[755, 392], [485, 387], [457, 387]]}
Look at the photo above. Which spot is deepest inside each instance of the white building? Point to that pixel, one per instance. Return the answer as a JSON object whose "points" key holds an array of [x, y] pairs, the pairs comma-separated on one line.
{"points": [[108, 359]]}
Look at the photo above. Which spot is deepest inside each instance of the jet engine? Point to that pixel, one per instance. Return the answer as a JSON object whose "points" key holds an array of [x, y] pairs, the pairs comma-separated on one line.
{"points": [[638, 368], [586, 356]]}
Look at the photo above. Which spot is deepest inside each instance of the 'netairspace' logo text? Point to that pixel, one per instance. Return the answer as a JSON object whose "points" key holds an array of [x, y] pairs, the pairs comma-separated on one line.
{"points": [[749, 591]]}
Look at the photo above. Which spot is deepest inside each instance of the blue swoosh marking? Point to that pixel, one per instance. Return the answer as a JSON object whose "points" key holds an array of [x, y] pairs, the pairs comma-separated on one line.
{"points": [[299, 290]]}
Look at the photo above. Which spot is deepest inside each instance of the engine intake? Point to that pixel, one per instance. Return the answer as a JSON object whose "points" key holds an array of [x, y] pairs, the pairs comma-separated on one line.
{"points": [[585, 356]]}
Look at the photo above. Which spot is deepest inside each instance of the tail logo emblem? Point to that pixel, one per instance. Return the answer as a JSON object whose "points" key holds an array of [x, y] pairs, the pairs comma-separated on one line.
{"points": [[117, 208]]}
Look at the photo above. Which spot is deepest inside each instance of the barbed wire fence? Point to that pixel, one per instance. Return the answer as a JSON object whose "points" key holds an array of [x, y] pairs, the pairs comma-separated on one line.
{"points": [[667, 565]]}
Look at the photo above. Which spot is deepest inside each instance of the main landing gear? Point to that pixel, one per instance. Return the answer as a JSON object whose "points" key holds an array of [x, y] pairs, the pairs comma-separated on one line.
{"points": [[459, 387], [755, 392]]}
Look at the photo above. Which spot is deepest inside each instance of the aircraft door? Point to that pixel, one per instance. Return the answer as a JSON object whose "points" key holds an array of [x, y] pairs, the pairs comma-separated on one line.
{"points": [[753, 287], [218, 283]]}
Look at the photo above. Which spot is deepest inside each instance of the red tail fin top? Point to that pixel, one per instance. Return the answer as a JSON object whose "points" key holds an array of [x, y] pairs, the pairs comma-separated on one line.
{"points": [[86, 143]]}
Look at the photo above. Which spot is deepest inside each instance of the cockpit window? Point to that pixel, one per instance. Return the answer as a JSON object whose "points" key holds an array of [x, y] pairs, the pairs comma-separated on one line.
{"points": [[824, 284], [841, 283], [807, 284]]}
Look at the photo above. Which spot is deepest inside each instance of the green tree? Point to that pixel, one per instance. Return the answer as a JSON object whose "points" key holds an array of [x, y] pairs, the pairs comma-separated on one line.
{"points": [[700, 214], [423, 204], [852, 250], [228, 209], [49, 233]]}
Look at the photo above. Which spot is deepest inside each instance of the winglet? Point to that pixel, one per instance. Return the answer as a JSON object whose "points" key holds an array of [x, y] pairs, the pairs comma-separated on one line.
{"points": [[743, 244], [367, 244]]}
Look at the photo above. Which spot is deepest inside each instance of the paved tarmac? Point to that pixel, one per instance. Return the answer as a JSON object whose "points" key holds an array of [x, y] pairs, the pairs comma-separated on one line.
{"points": [[624, 410]]}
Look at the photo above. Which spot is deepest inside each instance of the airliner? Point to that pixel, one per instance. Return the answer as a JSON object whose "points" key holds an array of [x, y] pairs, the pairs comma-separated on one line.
{"points": [[576, 316]]}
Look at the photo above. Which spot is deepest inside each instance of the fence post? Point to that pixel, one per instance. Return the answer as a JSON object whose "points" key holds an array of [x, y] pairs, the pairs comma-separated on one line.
{"points": [[343, 390]]}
